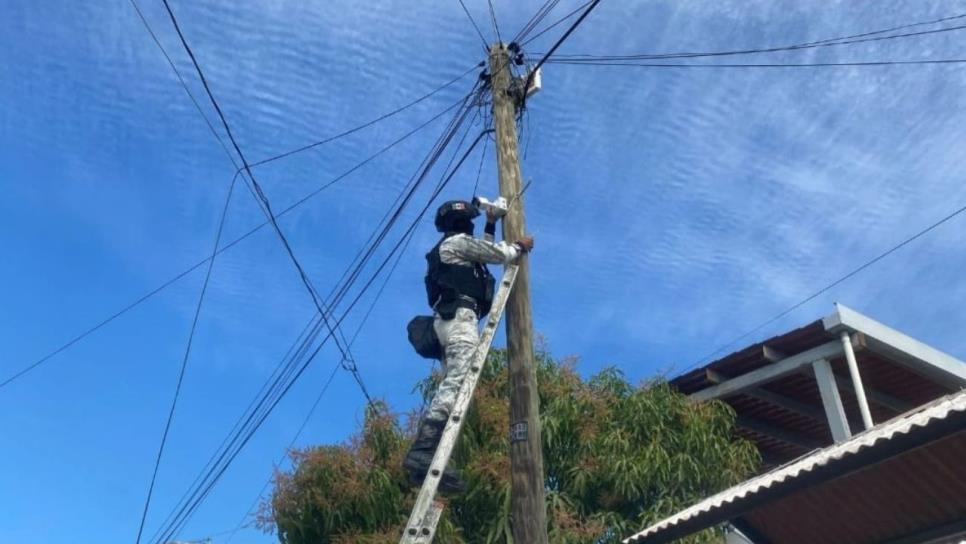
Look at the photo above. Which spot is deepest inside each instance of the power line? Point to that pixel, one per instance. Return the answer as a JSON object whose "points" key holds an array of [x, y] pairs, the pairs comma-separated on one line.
{"points": [[269, 391], [761, 65], [251, 508], [303, 148], [382, 222], [479, 171], [496, 26], [442, 185], [298, 433], [187, 352], [284, 380], [349, 362], [203, 493], [369, 123], [383, 225], [184, 84], [434, 157], [561, 40], [227, 246], [259, 409], [305, 364], [828, 287], [238, 427], [558, 22], [260, 194], [809, 45], [893, 29], [557, 44], [535, 20], [257, 412], [473, 22]]}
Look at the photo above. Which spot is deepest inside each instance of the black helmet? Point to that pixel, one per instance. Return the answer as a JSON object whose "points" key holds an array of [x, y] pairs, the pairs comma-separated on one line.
{"points": [[455, 215]]}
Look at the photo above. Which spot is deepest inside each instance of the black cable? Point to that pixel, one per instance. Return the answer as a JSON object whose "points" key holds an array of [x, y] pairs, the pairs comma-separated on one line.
{"points": [[557, 44], [809, 45], [184, 360], [382, 222], [216, 476], [382, 288], [265, 204], [237, 428], [762, 65], [496, 26], [434, 157], [96, 327], [298, 433], [229, 245], [184, 84], [828, 287], [267, 209], [370, 123], [562, 39], [326, 140], [251, 508], [439, 188], [231, 445], [535, 20], [528, 25], [349, 363], [558, 22], [476, 26], [256, 417], [394, 217], [893, 29], [479, 171]]}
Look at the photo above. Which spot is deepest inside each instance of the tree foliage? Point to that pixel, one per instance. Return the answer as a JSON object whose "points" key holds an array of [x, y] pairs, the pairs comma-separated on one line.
{"points": [[617, 458]]}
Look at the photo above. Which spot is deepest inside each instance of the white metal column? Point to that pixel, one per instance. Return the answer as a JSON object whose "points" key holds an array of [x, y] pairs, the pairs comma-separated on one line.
{"points": [[834, 411], [856, 379]]}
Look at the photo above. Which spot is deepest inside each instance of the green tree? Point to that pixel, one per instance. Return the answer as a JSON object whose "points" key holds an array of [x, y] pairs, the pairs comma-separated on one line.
{"points": [[618, 457]]}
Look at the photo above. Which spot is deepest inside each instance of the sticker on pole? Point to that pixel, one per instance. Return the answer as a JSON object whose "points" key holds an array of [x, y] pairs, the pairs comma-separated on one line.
{"points": [[519, 432]]}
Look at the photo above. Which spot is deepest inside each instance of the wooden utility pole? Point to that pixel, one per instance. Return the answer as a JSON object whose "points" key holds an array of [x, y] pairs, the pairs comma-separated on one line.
{"points": [[528, 506]]}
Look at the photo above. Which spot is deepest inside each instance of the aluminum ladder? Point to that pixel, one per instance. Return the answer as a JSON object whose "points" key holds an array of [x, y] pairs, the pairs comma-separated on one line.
{"points": [[421, 527]]}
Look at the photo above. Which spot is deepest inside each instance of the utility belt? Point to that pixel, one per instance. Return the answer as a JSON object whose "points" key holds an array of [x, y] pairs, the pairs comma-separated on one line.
{"points": [[447, 308]]}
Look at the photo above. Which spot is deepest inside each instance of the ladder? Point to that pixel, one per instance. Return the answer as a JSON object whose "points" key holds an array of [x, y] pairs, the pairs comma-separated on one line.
{"points": [[421, 527]]}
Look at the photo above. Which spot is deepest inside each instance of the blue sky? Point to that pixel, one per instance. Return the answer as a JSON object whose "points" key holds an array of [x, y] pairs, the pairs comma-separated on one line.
{"points": [[673, 210]]}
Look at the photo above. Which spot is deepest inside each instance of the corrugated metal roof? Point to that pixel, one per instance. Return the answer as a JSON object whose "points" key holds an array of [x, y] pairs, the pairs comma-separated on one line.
{"points": [[892, 385], [899, 500], [877, 437]]}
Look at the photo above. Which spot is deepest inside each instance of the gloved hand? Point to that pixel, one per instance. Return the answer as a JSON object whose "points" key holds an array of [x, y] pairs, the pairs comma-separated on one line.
{"points": [[526, 243]]}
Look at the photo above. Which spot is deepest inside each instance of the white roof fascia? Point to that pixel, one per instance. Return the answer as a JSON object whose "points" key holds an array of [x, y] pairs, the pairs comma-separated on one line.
{"points": [[937, 410], [889, 342]]}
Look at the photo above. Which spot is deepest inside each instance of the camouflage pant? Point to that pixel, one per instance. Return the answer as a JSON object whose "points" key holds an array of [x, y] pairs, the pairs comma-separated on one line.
{"points": [[459, 337]]}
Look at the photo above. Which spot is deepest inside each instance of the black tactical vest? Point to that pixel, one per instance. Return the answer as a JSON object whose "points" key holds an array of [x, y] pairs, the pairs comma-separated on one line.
{"points": [[452, 286]]}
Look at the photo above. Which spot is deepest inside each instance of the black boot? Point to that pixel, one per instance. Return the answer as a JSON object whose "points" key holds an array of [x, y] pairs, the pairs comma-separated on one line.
{"points": [[420, 457]]}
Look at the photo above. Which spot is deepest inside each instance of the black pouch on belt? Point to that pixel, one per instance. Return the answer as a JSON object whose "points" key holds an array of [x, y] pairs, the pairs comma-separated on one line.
{"points": [[423, 337]]}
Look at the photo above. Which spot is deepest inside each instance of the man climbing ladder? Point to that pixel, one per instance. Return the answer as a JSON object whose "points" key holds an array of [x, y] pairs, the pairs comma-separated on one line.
{"points": [[460, 291]]}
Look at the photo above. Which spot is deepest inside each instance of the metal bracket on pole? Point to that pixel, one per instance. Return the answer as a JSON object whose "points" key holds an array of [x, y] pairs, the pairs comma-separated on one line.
{"points": [[421, 527]]}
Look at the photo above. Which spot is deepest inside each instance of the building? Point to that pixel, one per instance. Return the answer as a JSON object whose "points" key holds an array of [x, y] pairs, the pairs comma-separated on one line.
{"points": [[862, 432]]}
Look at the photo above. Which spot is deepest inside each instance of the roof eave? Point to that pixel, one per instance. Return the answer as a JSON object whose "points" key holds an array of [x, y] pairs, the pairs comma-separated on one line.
{"points": [[897, 346]]}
